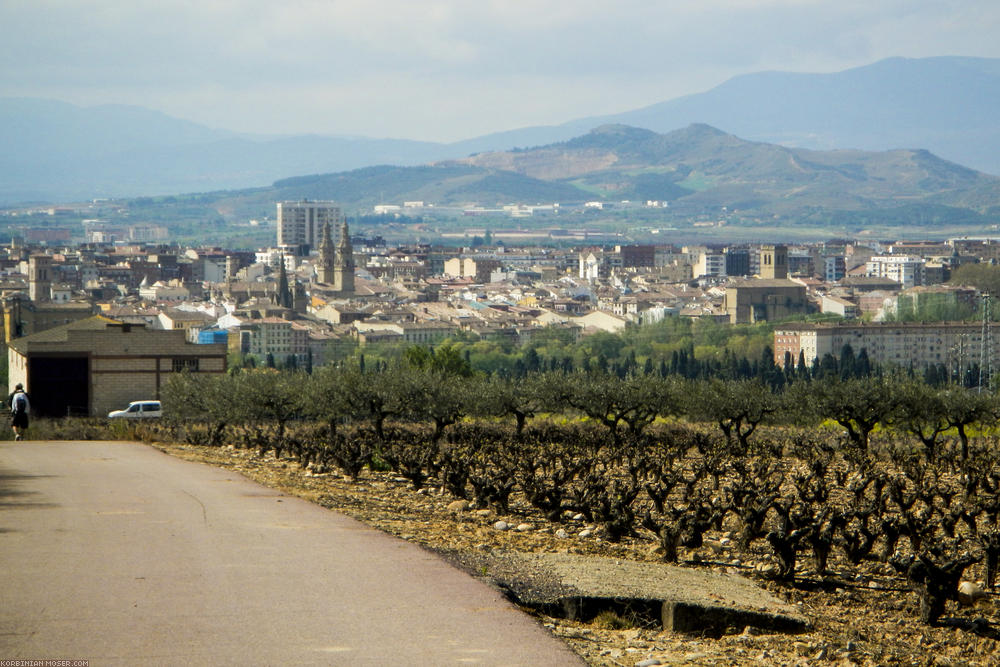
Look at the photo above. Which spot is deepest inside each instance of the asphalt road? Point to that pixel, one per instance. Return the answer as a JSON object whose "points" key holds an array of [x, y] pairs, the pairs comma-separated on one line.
{"points": [[119, 554]]}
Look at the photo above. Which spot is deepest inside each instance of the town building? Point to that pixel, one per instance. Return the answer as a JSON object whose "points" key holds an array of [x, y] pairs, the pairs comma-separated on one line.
{"points": [[754, 300], [407, 332], [955, 345], [98, 364], [710, 265], [300, 223], [773, 262], [737, 261], [480, 270], [906, 270]]}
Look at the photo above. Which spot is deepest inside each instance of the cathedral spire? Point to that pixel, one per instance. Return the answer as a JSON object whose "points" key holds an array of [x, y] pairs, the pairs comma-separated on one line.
{"points": [[327, 256], [343, 268]]}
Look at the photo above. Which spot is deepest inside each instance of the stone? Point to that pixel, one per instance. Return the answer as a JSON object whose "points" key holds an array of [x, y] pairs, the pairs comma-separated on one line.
{"points": [[501, 525], [714, 545], [585, 533], [969, 593], [767, 569], [562, 534], [458, 506], [650, 662], [483, 513], [578, 517], [523, 527]]}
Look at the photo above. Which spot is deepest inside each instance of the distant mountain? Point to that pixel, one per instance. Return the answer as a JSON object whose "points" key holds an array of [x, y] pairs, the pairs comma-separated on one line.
{"points": [[698, 170], [60, 152], [947, 105], [54, 151]]}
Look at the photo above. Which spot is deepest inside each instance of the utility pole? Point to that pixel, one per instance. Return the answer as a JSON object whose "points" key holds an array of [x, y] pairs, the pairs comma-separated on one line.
{"points": [[986, 346]]}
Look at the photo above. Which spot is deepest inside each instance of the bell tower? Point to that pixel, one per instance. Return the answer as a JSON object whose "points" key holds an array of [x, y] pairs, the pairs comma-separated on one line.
{"points": [[343, 267], [327, 257]]}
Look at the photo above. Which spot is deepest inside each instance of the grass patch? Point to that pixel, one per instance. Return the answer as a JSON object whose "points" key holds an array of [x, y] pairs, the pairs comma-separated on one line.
{"points": [[609, 620]]}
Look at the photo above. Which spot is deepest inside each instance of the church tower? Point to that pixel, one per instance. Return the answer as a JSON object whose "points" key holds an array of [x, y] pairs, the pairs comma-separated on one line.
{"points": [[343, 267], [327, 258], [39, 278], [774, 262]]}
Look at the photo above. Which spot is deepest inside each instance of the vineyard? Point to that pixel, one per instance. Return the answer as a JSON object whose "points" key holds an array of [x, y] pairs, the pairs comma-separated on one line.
{"points": [[814, 485]]}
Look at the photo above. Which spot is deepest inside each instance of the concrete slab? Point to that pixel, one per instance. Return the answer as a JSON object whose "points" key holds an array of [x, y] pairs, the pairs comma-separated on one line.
{"points": [[682, 599]]}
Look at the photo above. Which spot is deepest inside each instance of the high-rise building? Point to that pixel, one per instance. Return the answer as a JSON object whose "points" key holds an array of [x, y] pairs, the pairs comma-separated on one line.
{"points": [[300, 223]]}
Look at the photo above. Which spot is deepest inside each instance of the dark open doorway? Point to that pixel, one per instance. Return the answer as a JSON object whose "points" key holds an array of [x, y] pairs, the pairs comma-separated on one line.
{"points": [[59, 386]]}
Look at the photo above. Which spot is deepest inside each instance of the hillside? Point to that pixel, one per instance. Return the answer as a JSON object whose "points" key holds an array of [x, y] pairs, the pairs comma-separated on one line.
{"points": [[946, 105], [701, 168], [359, 190]]}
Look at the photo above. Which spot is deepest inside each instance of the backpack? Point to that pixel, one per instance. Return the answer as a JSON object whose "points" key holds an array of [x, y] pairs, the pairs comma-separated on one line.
{"points": [[20, 403]]}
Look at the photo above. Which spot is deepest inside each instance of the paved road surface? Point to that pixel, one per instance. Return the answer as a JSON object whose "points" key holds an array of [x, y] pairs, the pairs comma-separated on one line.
{"points": [[120, 554]]}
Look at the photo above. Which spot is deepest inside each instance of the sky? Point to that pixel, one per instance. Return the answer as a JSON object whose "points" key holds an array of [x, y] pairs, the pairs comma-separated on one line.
{"points": [[446, 70]]}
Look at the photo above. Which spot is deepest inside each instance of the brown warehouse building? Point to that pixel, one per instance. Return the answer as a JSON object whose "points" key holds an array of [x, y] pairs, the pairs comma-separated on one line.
{"points": [[96, 365]]}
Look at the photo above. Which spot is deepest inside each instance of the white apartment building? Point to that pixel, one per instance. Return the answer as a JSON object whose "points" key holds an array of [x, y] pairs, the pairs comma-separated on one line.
{"points": [[903, 269], [300, 223], [273, 257], [908, 344], [711, 264], [408, 332]]}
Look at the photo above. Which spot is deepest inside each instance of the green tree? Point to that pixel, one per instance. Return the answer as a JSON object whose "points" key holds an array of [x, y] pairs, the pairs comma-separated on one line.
{"points": [[985, 277], [608, 400], [857, 404], [437, 395], [497, 396], [736, 407], [964, 408], [922, 413]]}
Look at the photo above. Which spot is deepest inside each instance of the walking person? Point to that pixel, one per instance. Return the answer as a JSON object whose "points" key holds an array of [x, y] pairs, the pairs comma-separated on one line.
{"points": [[19, 407]]}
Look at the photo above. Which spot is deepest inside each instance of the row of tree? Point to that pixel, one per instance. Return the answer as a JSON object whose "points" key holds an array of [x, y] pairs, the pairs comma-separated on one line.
{"points": [[439, 388], [909, 477]]}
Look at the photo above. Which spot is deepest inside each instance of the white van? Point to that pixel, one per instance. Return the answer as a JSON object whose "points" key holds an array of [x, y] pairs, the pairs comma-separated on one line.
{"points": [[138, 410]]}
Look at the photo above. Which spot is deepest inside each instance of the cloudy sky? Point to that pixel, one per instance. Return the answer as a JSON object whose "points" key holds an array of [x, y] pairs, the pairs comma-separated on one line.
{"points": [[446, 70]]}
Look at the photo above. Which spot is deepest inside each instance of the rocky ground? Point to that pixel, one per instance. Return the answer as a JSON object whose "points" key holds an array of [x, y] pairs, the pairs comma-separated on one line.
{"points": [[869, 618]]}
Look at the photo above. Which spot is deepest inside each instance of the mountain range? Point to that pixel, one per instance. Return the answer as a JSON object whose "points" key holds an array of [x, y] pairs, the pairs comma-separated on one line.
{"points": [[697, 170], [944, 106]]}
